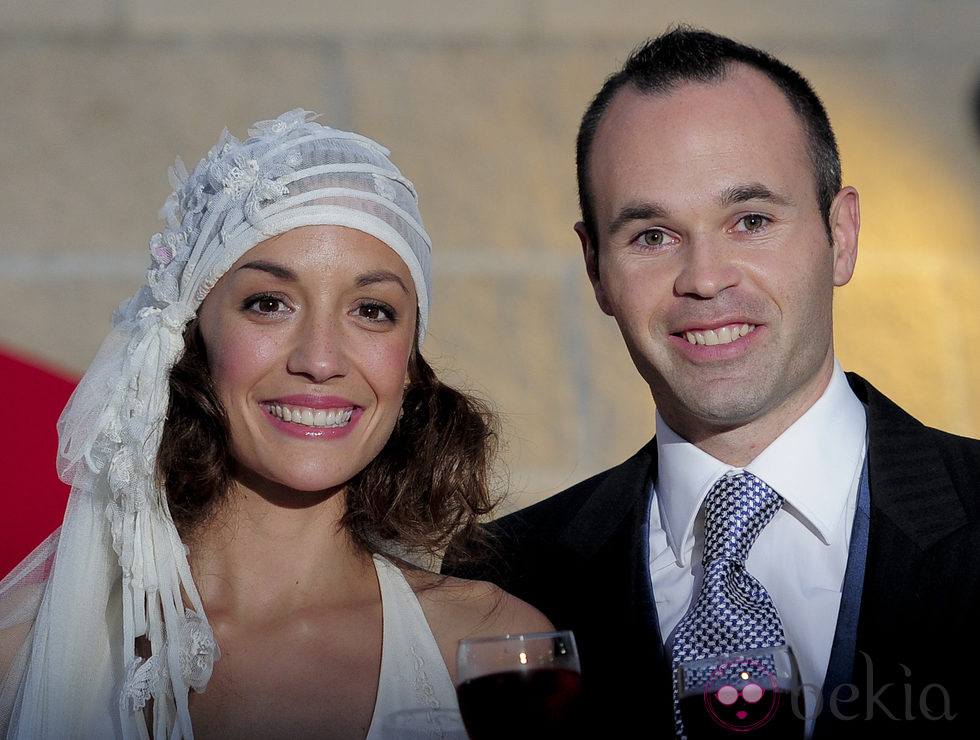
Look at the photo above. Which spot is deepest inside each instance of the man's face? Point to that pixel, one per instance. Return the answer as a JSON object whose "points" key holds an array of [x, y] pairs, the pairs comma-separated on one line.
{"points": [[713, 256]]}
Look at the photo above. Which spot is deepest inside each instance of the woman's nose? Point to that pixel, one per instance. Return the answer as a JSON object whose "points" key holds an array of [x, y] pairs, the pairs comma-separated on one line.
{"points": [[318, 350]]}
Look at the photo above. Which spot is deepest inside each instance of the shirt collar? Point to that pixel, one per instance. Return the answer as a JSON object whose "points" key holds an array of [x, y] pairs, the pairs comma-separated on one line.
{"points": [[811, 465]]}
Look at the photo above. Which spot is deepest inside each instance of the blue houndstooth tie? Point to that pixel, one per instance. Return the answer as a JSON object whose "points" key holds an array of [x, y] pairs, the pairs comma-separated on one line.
{"points": [[733, 612]]}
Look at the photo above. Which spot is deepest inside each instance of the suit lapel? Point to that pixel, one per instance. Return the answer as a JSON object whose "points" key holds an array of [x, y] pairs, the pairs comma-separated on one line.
{"points": [[909, 589], [910, 484], [612, 528], [622, 494], [914, 508], [609, 537]]}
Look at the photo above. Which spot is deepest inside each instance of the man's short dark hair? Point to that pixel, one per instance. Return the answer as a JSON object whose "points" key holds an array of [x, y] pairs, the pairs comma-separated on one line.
{"points": [[691, 55]]}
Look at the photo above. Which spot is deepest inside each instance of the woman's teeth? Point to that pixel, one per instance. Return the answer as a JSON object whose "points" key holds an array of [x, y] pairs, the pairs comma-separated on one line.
{"points": [[311, 417], [724, 335]]}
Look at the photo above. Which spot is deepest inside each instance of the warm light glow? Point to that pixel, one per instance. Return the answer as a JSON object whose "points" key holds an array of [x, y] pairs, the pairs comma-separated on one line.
{"points": [[523, 658], [745, 676], [904, 166]]}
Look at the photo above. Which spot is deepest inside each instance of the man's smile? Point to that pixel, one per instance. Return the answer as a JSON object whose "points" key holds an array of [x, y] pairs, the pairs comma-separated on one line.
{"points": [[720, 335]]}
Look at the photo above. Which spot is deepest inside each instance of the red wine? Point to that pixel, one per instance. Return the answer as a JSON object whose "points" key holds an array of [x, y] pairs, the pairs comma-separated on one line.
{"points": [[770, 716], [538, 703]]}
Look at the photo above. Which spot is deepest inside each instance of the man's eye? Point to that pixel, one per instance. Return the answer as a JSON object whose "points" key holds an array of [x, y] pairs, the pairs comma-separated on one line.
{"points": [[652, 238], [753, 222]]}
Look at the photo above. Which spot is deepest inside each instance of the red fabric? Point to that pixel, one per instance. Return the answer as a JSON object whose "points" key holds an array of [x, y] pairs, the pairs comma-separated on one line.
{"points": [[32, 499]]}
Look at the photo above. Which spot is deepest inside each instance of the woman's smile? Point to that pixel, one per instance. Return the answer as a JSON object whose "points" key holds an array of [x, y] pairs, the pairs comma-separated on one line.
{"points": [[307, 417]]}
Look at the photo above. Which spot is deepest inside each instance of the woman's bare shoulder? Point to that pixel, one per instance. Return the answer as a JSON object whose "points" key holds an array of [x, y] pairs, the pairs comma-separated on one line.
{"points": [[466, 608], [456, 609]]}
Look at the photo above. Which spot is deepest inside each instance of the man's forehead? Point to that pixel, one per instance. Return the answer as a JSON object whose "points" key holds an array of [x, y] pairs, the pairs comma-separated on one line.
{"points": [[740, 83], [694, 144], [743, 104]]}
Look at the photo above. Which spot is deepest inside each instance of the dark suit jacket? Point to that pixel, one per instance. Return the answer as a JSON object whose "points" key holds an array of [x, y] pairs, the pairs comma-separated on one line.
{"points": [[581, 557]]}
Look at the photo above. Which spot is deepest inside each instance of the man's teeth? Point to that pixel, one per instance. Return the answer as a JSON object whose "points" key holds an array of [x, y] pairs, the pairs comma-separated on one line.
{"points": [[724, 335], [311, 417]]}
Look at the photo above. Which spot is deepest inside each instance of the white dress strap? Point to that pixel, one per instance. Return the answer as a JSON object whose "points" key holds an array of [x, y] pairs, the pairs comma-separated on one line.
{"points": [[413, 672]]}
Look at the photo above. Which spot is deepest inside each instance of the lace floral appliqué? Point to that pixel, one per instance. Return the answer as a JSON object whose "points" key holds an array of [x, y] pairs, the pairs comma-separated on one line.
{"points": [[144, 681], [244, 176], [198, 651]]}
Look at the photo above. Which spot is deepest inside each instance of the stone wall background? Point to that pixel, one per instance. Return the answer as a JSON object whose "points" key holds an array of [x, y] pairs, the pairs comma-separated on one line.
{"points": [[479, 101]]}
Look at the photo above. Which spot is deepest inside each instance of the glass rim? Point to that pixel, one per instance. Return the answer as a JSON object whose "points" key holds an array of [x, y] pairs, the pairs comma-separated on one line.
{"points": [[785, 671], [740, 654], [565, 634]]}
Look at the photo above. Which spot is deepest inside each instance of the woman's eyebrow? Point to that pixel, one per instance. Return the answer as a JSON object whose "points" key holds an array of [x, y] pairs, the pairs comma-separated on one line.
{"points": [[284, 273], [278, 271], [380, 276]]}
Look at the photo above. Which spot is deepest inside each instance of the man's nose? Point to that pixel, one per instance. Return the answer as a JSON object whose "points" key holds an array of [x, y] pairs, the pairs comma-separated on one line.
{"points": [[708, 267]]}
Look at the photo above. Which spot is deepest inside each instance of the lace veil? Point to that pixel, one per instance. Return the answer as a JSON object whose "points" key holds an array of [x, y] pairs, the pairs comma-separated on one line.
{"points": [[71, 613]]}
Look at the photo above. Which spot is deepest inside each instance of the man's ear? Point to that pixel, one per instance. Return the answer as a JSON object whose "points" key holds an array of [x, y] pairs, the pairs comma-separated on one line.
{"points": [[845, 223], [590, 252]]}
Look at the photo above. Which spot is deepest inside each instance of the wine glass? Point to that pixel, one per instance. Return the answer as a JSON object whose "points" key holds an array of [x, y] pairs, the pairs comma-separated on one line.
{"points": [[749, 691], [519, 686]]}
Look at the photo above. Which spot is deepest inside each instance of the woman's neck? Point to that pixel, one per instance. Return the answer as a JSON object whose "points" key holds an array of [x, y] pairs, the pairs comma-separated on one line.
{"points": [[261, 552]]}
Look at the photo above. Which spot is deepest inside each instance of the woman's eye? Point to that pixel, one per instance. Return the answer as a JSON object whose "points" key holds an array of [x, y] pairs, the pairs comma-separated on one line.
{"points": [[265, 304], [375, 312], [268, 305]]}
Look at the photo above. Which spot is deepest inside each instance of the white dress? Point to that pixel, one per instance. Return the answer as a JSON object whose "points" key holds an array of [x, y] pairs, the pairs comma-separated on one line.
{"points": [[413, 672]]}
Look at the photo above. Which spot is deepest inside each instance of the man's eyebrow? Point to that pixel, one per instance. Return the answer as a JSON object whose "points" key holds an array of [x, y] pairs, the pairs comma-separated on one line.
{"points": [[381, 276], [278, 271], [753, 191], [636, 212]]}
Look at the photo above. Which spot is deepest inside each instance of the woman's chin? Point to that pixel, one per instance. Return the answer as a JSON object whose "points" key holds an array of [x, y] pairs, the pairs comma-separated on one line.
{"points": [[294, 492]]}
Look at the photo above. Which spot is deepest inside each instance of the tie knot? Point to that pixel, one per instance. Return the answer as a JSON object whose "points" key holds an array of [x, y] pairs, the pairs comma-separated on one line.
{"points": [[737, 508]]}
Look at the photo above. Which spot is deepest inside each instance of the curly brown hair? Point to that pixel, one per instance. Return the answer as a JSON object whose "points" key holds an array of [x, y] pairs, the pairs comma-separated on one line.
{"points": [[193, 466], [428, 485]]}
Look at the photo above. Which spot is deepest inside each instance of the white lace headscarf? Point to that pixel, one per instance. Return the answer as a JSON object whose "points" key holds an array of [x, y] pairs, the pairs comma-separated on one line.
{"points": [[118, 570]]}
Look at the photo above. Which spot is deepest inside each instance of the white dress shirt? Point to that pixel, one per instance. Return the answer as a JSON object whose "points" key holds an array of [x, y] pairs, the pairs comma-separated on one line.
{"points": [[801, 556]]}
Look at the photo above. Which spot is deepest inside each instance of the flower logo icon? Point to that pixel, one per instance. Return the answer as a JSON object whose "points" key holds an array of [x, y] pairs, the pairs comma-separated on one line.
{"points": [[742, 695]]}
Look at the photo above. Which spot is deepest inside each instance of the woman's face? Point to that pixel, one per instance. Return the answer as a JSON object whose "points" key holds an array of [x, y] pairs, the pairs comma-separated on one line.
{"points": [[308, 338]]}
